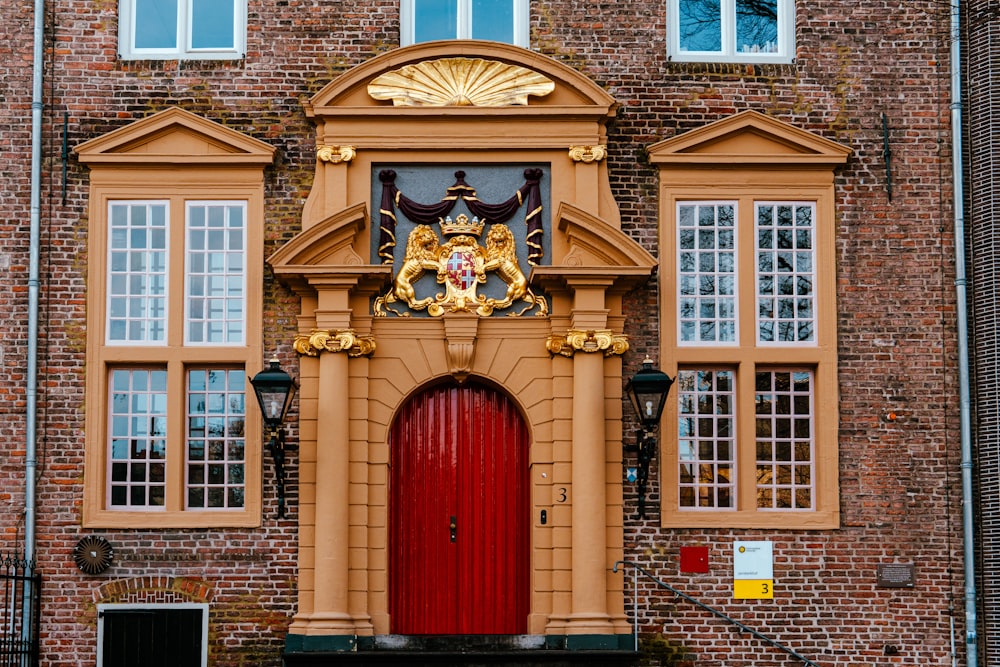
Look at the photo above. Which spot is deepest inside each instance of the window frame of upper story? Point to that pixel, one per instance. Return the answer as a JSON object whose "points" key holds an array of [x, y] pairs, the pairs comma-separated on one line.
{"points": [[177, 357], [463, 28], [747, 355], [751, 157], [183, 48], [187, 158], [728, 53]]}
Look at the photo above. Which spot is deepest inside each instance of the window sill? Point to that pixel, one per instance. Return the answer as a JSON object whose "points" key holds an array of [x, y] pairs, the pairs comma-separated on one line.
{"points": [[124, 519], [772, 520]]}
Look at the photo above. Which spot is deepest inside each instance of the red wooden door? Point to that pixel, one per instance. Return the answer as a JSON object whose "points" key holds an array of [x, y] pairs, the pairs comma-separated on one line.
{"points": [[459, 518]]}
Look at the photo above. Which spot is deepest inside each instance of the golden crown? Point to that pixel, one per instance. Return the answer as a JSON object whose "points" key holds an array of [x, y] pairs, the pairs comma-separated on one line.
{"points": [[461, 225]]}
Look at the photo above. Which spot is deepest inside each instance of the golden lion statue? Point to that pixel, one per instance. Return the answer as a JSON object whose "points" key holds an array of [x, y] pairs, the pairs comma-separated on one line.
{"points": [[501, 257], [421, 255]]}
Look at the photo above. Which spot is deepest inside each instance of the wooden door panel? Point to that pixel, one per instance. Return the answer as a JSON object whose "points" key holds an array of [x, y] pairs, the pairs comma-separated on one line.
{"points": [[459, 452]]}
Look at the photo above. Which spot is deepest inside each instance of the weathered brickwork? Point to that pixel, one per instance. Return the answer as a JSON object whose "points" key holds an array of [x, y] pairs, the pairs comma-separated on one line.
{"points": [[982, 28], [856, 64]]}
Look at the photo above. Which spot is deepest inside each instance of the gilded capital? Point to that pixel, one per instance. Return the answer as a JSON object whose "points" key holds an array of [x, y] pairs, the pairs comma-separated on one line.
{"points": [[335, 154], [588, 153], [344, 340], [592, 340]]}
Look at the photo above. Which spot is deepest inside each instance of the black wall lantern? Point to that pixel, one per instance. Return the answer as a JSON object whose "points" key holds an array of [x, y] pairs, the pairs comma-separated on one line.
{"points": [[275, 389], [648, 391]]}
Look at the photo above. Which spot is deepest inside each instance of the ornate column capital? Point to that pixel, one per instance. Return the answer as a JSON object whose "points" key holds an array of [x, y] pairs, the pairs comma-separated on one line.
{"points": [[335, 154], [341, 340], [591, 340], [588, 153]]}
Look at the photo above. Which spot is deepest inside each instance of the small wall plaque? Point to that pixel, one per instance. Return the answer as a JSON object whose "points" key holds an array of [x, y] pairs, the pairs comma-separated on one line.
{"points": [[894, 575]]}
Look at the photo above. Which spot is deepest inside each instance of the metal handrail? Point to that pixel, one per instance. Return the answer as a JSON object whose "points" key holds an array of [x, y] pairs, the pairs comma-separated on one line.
{"points": [[714, 612]]}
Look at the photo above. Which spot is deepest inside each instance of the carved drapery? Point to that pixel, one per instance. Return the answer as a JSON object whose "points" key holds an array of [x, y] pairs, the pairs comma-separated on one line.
{"points": [[591, 340], [341, 340], [528, 194]]}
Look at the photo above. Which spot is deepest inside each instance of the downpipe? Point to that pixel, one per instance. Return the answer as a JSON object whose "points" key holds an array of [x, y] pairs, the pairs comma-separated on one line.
{"points": [[965, 408]]}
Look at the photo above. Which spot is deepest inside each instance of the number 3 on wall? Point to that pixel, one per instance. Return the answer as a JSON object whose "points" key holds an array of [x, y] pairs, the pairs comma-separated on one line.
{"points": [[561, 494]]}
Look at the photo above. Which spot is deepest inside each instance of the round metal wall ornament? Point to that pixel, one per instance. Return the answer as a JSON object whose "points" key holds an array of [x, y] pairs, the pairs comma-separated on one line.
{"points": [[93, 554]]}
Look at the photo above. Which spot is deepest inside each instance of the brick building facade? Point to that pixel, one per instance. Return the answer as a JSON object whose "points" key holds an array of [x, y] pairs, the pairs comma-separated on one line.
{"points": [[851, 124]]}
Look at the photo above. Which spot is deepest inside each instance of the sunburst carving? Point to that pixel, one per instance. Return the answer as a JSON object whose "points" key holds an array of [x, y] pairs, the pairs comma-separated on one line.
{"points": [[460, 82]]}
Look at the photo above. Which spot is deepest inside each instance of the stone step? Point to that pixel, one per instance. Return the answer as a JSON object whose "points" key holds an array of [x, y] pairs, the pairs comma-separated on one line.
{"points": [[502, 658]]}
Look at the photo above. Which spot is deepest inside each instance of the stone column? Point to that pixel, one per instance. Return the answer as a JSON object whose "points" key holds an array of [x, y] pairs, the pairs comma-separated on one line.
{"points": [[589, 624], [330, 624]]}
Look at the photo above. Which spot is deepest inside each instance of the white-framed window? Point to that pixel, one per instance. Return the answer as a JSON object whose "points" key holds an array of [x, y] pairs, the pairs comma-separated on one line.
{"points": [[215, 275], [709, 477], [495, 20], [707, 273], [137, 273], [182, 29], [759, 31], [786, 272]]}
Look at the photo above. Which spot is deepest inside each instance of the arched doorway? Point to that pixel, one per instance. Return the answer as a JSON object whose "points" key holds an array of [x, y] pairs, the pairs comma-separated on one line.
{"points": [[459, 514]]}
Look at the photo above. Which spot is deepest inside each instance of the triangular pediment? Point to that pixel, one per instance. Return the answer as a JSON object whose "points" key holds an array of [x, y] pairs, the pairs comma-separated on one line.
{"points": [[748, 137], [326, 250], [175, 136]]}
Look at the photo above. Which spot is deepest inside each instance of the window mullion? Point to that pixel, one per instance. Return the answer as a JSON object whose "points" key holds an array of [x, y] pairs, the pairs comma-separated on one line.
{"points": [[728, 27], [464, 19], [746, 448], [746, 285], [176, 436]]}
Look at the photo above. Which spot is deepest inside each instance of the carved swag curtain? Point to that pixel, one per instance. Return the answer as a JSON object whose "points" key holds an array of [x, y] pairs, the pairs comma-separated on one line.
{"points": [[393, 198]]}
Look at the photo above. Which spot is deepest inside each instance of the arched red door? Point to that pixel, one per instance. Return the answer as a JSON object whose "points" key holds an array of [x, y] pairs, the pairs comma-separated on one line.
{"points": [[459, 514]]}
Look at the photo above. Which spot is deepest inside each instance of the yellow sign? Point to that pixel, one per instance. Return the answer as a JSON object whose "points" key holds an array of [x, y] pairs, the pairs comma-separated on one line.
{"points": [[753, 589]]}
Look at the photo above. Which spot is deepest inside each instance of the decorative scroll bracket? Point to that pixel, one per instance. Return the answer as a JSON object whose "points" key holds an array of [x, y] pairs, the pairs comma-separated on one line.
{"points": [[588, 153], [335, 154], [341, 340], [591, 340]]}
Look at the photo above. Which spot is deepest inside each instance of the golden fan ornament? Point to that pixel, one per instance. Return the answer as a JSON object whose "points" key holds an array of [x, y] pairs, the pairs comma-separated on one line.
{"points": [[460, 82]]}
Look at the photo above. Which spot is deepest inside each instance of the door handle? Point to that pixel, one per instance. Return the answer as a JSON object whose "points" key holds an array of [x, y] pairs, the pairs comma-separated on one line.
{"points": [[453, 527]]}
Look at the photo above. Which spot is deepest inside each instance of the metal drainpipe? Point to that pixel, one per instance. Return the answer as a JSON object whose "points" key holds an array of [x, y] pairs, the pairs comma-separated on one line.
{"points": [[30, 455], [968, 527]]}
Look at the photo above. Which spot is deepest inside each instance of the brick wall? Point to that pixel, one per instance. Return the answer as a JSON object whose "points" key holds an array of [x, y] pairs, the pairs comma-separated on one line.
{"points": [[982, 30], [900, 480]]}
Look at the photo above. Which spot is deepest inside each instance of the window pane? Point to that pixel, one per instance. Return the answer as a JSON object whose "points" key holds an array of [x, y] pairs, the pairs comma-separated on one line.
{"points": [[137, 278], [434, 19], [785, 273], [215, 283], [784, 451], [706, 453], [137, 453], [700, 25], [212, 24], [155, 24], [757, 26], [215, 446], [493, 20], [706, 273]]}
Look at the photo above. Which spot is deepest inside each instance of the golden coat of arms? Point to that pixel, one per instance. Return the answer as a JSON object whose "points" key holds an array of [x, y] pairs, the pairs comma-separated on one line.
{"points": [[461, 265]]}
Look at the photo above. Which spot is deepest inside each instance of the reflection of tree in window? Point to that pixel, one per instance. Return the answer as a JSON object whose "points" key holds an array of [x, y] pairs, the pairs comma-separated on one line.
{"points": [[700, 23], [756, 26]]}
